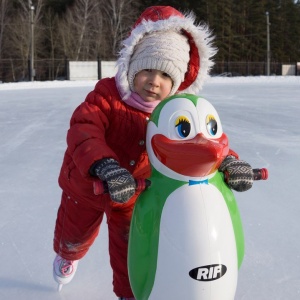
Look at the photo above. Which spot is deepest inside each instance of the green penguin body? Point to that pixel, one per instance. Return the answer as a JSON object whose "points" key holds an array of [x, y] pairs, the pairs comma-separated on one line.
{"points": [[186, 238]]}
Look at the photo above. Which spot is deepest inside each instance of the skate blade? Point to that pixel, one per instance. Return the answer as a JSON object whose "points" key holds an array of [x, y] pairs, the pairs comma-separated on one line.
{"points": [[59, 287]]}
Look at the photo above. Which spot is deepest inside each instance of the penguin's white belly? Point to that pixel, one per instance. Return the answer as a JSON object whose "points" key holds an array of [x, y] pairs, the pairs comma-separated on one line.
{"points": [[196, 233]]}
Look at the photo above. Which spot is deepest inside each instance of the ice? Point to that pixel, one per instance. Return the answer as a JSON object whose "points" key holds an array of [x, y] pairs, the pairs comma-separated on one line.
{"points": [[260, 115]]}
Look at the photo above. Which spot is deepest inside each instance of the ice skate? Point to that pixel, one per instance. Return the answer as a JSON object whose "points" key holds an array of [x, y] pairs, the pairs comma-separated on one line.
{"points": [[63, 270]]}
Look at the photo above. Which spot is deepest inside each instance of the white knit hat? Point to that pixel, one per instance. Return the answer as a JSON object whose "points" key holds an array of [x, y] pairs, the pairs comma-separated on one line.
{"points": [[167, 51]]}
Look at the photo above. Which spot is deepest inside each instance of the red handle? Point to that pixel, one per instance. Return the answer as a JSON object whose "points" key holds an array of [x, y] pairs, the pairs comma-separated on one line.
{"points": [[100, 187], [258, 174]]}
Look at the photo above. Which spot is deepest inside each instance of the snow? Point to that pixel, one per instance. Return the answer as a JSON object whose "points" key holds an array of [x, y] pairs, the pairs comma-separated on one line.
{"points": [[261, 118]]}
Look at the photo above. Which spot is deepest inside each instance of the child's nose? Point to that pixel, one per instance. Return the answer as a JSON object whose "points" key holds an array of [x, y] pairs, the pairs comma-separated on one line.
{"points": [[155, 79]]}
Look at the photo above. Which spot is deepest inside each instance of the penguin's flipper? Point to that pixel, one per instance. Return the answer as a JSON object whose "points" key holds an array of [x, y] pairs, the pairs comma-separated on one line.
{"points": [[144, 234], [143, 246], [233, 209]]}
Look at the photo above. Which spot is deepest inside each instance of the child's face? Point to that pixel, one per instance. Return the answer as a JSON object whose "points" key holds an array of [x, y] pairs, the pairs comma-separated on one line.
{"points": [[152, 85]]}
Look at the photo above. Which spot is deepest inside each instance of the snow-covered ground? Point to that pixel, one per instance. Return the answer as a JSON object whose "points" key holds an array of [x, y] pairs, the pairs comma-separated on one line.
{"points": [[261, 118]]}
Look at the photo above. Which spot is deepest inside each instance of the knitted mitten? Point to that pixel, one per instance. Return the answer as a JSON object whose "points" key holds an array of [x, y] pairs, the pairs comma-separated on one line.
{"points": [[238, 174], [120, 183]]}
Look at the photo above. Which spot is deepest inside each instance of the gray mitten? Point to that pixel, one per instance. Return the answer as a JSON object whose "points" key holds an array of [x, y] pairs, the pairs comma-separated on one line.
{"points": [[120, 183], [238, 174]]}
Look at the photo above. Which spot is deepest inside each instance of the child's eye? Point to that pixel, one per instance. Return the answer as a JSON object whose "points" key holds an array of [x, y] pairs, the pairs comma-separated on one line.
{"points": [[166, 75]]}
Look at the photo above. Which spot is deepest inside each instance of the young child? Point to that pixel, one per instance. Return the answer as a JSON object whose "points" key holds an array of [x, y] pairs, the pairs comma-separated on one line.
{"points": [[165, 53]]}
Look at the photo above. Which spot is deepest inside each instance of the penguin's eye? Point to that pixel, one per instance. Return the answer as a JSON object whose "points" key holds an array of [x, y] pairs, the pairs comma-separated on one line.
{"points": [[211, 125], [183, 126]]}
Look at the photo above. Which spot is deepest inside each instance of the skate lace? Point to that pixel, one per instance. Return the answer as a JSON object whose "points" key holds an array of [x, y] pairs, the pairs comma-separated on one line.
{"points": [[66, 267]]}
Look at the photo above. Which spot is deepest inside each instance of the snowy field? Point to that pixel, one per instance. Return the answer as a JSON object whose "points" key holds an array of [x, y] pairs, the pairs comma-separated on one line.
{"points": [[261, 116]]}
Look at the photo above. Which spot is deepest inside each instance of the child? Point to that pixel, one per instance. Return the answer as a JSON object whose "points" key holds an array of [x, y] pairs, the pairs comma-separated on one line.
{"points": [[166, 53]]}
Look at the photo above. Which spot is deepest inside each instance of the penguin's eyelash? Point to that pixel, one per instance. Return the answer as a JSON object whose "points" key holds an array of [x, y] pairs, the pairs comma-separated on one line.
{"points": [[210, 118], [181, 120]]}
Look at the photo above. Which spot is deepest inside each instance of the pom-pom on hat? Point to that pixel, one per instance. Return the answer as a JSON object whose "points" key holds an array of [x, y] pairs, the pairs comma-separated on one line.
{"points": [[164, 51]]}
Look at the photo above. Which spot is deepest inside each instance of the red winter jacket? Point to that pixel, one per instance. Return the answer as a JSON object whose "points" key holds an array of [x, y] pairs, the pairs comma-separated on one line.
{"points": [[101, 123]]}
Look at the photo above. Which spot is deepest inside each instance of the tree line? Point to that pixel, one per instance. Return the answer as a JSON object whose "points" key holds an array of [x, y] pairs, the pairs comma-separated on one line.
{"points": [[91, 29]]}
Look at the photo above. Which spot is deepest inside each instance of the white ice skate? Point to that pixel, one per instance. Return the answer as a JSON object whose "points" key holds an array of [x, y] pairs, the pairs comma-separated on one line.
{"points": [[63, 270]]}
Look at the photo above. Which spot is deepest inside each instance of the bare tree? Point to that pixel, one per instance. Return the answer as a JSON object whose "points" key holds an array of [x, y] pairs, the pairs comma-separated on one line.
{"points": [[18, 41], [94, 28], [97, 36], [3, 19], [88, 29], [52, 40], [118, 16], [76, 27]]}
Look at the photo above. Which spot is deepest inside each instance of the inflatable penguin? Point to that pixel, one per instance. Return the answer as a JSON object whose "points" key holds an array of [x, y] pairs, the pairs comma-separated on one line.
{"points": [[186, 238]]}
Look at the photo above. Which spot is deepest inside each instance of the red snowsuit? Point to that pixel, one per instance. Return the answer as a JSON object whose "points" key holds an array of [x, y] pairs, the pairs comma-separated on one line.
{"points": [[102, 123], [105, 126]]}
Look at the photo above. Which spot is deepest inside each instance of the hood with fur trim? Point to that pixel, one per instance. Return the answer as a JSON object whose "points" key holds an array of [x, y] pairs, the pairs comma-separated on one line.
{"points": [[166, 18]]}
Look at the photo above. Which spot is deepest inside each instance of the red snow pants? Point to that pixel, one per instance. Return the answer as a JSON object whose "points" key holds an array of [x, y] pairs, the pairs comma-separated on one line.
{"points": [[78, 224]]}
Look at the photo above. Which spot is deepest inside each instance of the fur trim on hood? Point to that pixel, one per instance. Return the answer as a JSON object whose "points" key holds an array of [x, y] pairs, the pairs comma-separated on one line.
{"points": [[166, 18]]}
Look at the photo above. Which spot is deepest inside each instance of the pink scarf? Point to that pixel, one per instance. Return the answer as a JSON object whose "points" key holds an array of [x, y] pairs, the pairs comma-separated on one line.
{"points": [[136, 101]]}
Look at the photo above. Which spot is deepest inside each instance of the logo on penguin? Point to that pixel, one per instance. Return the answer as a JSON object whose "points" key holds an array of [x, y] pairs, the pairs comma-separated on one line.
{"points": [[208, 273]]}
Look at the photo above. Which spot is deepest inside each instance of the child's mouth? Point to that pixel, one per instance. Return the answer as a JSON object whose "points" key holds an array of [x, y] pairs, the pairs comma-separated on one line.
{"points": [[150, 93]]}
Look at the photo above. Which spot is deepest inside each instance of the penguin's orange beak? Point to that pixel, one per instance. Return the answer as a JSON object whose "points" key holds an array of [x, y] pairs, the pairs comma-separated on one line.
{"points": [[197, 157]]}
